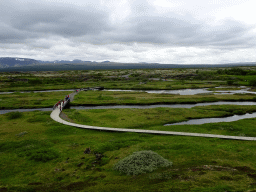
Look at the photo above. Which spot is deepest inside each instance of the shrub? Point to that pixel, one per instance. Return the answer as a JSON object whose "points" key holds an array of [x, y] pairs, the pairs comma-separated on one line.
{"points": [[230, 82], [43, 155], [14, 115], [252, 82], [141, 162]]}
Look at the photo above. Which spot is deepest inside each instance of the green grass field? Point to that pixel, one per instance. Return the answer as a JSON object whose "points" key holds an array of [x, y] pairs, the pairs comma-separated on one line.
{"points": [[116, 98], [38, 154], [31, 100]]}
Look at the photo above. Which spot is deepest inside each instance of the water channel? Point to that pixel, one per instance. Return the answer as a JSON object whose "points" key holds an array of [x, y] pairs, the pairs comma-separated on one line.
{"points": [[52, 90], [190, 91], [194, 121], [215, 120], [243, 90]]}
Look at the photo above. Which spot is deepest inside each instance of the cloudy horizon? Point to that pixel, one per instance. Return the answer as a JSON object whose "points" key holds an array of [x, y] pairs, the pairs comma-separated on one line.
{"points": [[153, 31]]}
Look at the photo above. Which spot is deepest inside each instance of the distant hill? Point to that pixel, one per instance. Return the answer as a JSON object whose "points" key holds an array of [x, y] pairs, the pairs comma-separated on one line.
{"points": [[16, 62], [76, 61], [24, 64]]}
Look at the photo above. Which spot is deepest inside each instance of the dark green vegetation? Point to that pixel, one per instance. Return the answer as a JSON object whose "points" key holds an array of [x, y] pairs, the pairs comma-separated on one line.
{"points": [[39, 154], [128, 79], [50, 157]]}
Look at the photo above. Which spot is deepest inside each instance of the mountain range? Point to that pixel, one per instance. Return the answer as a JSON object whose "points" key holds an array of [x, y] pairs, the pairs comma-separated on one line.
{"points": [[27, 64], [18, 62]]}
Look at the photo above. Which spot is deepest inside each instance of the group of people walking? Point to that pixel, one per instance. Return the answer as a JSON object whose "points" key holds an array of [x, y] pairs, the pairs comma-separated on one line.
{"points": [[60, 103]]}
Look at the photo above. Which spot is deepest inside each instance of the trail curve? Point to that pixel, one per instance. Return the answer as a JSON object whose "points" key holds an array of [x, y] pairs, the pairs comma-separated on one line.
{"points": [[55, 115]]}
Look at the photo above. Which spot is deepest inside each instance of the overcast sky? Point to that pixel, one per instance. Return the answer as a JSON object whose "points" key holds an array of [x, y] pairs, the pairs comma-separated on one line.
{"points": [[154, 31]]}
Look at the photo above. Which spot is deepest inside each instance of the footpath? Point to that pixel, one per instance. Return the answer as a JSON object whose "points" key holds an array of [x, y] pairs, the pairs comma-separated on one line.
{"points": [[55, 115]]}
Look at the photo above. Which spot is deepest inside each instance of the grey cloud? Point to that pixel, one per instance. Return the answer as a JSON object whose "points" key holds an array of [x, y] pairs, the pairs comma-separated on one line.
{"points": [[26, 21], [181, 31], [8, 34], [58, 19]]}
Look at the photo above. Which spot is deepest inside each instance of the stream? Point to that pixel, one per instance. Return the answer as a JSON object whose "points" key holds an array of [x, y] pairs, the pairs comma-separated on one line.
{"points": [[243, 90], [189, 91], [190, 122], [215, 120]]}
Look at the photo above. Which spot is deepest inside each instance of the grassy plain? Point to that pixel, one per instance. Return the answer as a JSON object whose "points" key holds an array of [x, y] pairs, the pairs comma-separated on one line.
{"points": [[39, 154], [169, 79], [28, 100]]}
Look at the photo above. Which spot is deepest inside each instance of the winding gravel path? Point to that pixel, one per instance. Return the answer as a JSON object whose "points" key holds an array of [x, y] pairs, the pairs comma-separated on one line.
{"points": [[55, 115]]}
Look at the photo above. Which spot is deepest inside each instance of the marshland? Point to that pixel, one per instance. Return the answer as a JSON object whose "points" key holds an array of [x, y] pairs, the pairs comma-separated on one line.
{"points": [[39, 154]]}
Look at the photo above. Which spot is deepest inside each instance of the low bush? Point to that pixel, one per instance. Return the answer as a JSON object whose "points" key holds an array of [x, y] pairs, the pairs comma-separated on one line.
{"points": [[252, 82], [141, 162], [14, 115], [43, 155]]}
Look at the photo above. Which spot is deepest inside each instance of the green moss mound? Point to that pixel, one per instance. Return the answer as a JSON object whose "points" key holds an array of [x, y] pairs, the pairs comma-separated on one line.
{"points": [[141, 162]]}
